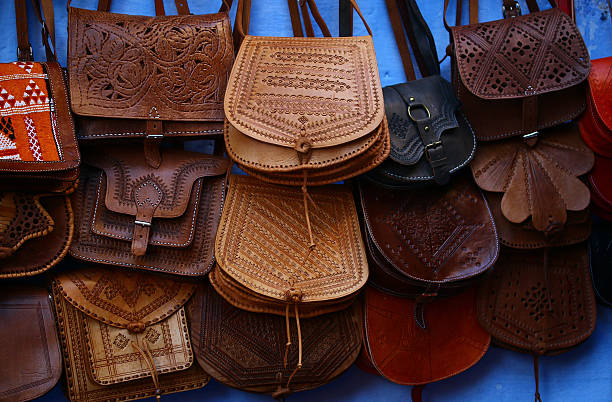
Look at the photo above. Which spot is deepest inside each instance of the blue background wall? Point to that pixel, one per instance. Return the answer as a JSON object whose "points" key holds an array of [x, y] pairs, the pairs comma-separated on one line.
{"points": [[583, 374]]}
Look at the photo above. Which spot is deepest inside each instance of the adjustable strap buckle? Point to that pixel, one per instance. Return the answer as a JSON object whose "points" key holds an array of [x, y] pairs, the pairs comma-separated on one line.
{"points": [[511, 11], [431, 146], [531, 139], [28, 57]]}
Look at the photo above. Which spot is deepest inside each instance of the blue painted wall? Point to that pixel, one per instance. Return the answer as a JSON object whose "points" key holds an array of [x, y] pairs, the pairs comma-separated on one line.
{"points": [[583, 374]]}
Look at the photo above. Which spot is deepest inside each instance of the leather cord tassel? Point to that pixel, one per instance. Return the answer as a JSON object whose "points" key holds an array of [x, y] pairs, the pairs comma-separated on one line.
{"points": [[536, 371], [417, 393], [288, 336], [148, 358], [299, 332], [307, 198]]}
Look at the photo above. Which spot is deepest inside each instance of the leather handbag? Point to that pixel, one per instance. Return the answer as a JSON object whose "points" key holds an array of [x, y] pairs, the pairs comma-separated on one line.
{"points": [[32, 361], [425, 244], [600, 258], [249, 351], [38, 147], [430, 137], [400, 350], [148, 77], [521, 74], [305, 111], [162, 219], [596, 123], [600, 183], [124, 334]]}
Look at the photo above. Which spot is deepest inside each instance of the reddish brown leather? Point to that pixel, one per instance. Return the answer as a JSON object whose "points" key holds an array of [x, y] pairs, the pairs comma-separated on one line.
{"points": [[171, 68], [519, 75], [245, 350], [405, 353], [539, 304], [45, 244], [32, 361], [538, 181], [600, 182], [596, 123], [180, 201]]}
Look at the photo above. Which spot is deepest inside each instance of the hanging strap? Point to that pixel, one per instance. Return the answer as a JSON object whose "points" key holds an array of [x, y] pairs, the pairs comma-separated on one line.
{"points": [[345, 14], [296, 23], [24, 48], [510, 9], [47, 21], [182, 7]]}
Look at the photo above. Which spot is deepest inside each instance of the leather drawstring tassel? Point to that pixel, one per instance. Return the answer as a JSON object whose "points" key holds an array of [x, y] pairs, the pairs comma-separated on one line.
{"points": [[281, 392], [288, 336], [299, 332], [148, 358], [307, 198], [417, 393], [536, 371]]}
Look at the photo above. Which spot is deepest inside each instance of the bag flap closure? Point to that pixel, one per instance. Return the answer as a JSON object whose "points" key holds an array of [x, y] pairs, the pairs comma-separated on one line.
{"points": [[518, 57], [22, 218], [123, 298], [138, 67], [305, 93], [418, 113], [600, 83]]}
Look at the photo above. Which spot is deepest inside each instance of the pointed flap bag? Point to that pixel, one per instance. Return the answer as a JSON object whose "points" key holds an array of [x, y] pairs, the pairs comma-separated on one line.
{"points": [[305, 110], [596, 123], [248, 350], [430, 137], [521, 74], [32, 360], [124, 333], [38, 147], [163, 219]]}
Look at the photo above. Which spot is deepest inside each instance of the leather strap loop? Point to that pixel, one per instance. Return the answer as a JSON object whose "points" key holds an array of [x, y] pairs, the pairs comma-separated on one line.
{"points": [[507, 6], [24, 48], [147, 197]]}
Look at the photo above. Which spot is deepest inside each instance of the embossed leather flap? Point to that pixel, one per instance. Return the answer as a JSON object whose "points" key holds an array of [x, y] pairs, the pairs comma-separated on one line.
{"points": [[133, 300], [600, 83], [263, 242], [531, 55], [429, 99], [443, 235], [451, 342], [295, 91], [137, 67]]}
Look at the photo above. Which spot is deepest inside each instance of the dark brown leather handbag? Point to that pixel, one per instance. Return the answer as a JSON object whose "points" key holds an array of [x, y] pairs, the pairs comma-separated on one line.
{"points": [[38, 147], [520, 74], [32, 361], [430, 137], [125, 334], [133, 215], [148, 77], [250, 351]]}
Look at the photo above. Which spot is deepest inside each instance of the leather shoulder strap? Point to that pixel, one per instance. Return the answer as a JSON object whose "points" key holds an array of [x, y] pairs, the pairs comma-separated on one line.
{"points": [[24, 48], [182, 7], [510, 8], [296, 24], [47, 21]]}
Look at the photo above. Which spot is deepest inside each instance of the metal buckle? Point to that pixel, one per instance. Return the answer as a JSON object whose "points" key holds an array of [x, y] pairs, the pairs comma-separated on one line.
{"points": [[30, 53], [417, 105], [430, 146], [512, 11], [533, 134], [142, 223], [153, 136]]}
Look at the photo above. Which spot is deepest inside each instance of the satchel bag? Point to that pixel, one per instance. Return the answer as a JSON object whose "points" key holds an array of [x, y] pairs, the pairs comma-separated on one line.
{"points": [[124, 334], [430, 137], [32, 361], [248, 350], [162, 219], [38, 147], [518, 75], [596, 123], [148, 77], [305, 111]]}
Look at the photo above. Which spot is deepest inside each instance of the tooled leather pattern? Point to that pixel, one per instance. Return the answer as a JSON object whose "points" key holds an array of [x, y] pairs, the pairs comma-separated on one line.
{"points": [[262, 241], [600, 82], [539, 181], [245, 350], [324, 90], [21, 218], [536, 307], [522, 56], [173, 68]]}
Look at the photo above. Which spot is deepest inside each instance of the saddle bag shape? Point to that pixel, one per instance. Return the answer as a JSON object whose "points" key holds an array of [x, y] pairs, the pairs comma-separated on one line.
{"points": [[32, 361], [596, 123], [600, 257], [246, 350], [35, 232], [305, 110], [138, 76], [162, 219], [600, 182], [519, 75], [421, 244], [124, 334]]}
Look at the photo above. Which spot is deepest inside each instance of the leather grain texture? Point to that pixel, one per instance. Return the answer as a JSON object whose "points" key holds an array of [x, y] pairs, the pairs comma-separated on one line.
{"points": [[539, 301], [246, 350], [405, 353], [596, 123], [32, 361], [133, 215], [263, 242], [539, 58], [538, 181]]}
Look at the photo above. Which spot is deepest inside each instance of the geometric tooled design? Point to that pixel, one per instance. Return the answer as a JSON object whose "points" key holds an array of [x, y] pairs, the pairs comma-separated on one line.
{"points": [[121, 341], [515, 57], [537, 301], [152, 335]]}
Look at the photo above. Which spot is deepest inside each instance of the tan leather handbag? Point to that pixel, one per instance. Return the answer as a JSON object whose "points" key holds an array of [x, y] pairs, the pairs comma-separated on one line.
{"points": [[124, 334], [305, 111]]}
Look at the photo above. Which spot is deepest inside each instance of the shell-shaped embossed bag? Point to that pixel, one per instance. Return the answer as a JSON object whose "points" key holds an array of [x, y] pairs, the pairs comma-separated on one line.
{"points": [[125, 334]]}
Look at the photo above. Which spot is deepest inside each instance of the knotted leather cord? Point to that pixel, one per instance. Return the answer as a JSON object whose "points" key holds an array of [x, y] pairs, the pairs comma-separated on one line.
{"points": [[148, 358], [281, 392], [306, 197]]}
